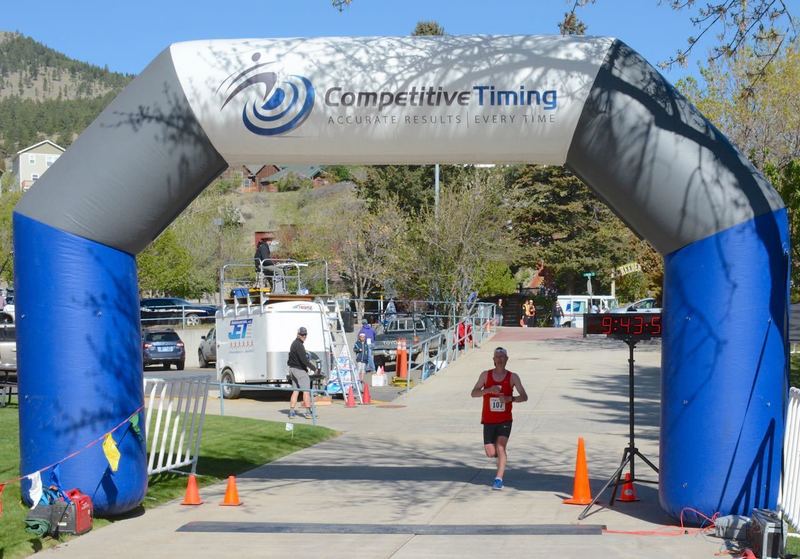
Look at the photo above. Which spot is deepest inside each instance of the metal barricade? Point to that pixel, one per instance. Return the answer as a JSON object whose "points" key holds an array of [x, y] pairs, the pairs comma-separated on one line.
{"points": [[176, 410], [450, 345], [789, 496]]}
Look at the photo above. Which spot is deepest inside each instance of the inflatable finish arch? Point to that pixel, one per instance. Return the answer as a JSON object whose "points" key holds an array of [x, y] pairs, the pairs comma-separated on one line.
{"points": [[590, 103]]}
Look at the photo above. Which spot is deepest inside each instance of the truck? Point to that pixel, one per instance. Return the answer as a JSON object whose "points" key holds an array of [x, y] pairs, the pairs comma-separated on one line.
{"points": [[413, 329], [253, 340]]}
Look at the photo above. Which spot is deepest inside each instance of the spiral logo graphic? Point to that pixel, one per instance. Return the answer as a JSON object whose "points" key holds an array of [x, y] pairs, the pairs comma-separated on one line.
{"points": [[273, 104]]}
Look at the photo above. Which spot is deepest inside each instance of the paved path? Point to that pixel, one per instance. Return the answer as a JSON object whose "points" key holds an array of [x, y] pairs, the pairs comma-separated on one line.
{"points": [[422, 464]]}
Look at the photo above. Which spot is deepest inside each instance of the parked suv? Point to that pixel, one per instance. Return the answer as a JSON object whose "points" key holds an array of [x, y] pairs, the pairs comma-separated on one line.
{"points": [[163, 347], [413, 329], [169, 310], [207, 352]]}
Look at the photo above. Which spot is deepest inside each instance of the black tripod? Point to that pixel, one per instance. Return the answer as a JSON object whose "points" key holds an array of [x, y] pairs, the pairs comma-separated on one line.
{"points": [[630, 451]]}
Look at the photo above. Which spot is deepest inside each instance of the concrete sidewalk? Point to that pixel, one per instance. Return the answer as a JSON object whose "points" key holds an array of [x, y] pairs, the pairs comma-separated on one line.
{"points": [[422, 464]]}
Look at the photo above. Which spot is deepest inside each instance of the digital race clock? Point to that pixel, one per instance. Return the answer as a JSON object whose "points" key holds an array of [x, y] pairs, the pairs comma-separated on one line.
{"points": [[623, 325]]}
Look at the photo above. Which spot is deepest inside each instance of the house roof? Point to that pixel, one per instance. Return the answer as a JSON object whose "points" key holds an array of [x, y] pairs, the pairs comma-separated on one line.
{"points": [[302, 171], [39, 144], [252, 168]]}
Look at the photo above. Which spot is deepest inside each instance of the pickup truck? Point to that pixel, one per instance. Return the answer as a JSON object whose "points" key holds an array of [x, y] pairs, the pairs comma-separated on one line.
{"points": [[413, 329]]}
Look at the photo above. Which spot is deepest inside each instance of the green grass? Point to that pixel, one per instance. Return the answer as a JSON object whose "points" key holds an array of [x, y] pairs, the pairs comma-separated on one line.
{"points": [[794, 371], [792, 547], [230, 446]]}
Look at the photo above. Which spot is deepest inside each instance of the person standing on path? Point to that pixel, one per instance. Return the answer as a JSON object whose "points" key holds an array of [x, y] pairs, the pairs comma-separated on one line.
{"points": [[496, 386], [369, 334], [299, 364], [362, 355], [558, 313], [499, 312]]}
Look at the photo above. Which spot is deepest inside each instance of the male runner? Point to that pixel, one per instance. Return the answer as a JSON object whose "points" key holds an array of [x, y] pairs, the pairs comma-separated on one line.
{"points": [[496, 386]]}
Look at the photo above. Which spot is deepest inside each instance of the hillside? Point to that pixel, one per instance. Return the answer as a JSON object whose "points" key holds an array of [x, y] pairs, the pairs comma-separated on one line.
{"points": [[31, 70], [45, 94]]}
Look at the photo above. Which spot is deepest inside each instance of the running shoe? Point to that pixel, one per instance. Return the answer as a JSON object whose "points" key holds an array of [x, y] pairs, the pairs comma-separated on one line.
{"points": [[498, 484], [292, 414], [307, 415]]}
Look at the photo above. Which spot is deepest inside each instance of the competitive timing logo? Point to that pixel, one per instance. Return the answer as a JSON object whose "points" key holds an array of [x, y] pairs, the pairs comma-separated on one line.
{"points": [[273, 104]]}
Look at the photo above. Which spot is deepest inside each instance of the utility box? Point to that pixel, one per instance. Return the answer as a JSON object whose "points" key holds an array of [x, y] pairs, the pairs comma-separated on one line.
{"points": [[766, 534]]}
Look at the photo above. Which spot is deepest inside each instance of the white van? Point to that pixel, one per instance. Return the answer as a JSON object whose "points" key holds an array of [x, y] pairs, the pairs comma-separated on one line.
{"points": [[253, 341], [575, 306]]}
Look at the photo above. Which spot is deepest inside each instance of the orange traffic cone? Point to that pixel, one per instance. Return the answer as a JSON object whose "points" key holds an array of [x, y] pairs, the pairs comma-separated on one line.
{"points": [[231, 494], [192, 496], [351, 401], [628, 494], [581, 492], [366, 398]]}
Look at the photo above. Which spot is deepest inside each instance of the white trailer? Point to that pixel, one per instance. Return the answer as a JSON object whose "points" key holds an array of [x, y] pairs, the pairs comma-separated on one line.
{"points": [[253, 341]]}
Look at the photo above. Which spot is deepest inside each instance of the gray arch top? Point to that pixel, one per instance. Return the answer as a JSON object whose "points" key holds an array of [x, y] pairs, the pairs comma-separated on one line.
{"points": [[592, 103]]}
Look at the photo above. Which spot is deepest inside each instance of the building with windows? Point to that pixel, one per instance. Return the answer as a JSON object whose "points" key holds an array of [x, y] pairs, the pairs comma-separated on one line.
{"points": [[31, 162]]}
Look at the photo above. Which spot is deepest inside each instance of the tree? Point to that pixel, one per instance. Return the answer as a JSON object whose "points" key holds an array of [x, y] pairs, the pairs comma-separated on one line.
{"points": [[562, 223], [430, 28], [496, 279], [766, 26], [356, 243], [571, 25], [761, 118], [165, 266], [632, 286], [445, 257], [210, 231], [786, 180], [411, 184], [7, 202]]}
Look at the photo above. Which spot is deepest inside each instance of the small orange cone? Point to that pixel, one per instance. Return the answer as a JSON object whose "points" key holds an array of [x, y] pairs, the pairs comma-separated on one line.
{"points": [[192, 496], [231, 494], [366, 398], [581, 492], [351, 401], [628, 494]]}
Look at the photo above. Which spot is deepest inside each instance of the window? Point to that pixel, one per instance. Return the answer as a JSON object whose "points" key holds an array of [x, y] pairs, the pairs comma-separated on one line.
{"points": [[162, 337], [32, 158], [34, 176], [50, 159]]}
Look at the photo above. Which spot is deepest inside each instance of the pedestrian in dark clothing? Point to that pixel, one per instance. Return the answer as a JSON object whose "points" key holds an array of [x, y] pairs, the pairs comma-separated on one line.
{"points": [[369, 335], [262, 257], [361, 350], [558, 313], [299, 364], [367, 330]]}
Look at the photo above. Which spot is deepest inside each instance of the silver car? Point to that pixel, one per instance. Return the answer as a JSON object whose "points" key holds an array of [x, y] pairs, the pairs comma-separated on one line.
{"points": [[207, 352], [648, 305], [8, 349]]}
